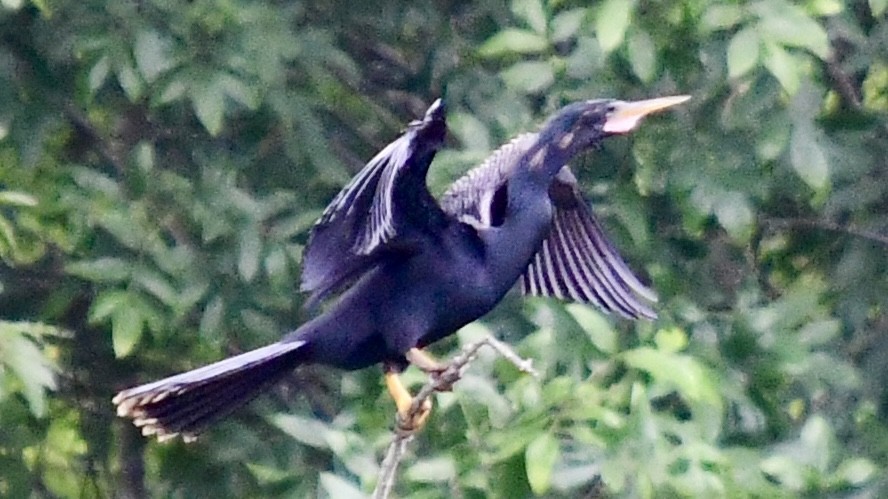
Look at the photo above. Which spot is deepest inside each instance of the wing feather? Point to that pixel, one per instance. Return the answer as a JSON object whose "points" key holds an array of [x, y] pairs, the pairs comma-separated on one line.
{"points": [[370, 217], [580, 263]]}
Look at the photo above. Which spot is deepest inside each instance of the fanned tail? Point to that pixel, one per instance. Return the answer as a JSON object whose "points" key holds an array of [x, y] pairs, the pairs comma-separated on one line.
{"points": [[187, 403]]}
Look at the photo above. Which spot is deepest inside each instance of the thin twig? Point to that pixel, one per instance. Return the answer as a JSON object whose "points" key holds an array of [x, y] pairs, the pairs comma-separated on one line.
{"points": [[441, 382], [828, 226]]}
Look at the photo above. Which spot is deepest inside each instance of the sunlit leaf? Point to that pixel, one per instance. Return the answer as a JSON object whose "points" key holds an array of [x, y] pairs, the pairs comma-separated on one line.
{"points": [[540, 458], [23, 357], [529, 77], [818, 440], [105, 269], [790, 26], [435, 470], [532, 13], [808, 158], [309, 431], [249, 253], [743, 52], [566, 24], [857, 471], [599, 330], [783, 67], [340, 488], [209, 105], [153, 54], [825, 7], [878, 7], [131, 82], [513, 41], [721, 16], [642, 55], [126, 330], [734, 212], [611, 22], [682, 371]]}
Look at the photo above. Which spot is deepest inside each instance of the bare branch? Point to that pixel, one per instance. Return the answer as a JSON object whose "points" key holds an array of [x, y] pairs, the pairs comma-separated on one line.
{"points": [[442, 382]]}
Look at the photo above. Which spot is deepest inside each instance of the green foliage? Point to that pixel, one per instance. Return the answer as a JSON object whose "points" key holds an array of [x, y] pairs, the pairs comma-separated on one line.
{"points": [[161, 164]]}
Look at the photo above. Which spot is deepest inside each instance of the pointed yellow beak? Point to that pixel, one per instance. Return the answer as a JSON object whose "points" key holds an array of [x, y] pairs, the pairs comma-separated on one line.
{"points": [[626, 115]]}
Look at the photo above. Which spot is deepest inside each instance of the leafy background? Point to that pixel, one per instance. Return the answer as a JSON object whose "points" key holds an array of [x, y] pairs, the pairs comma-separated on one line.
{"points": [[161, 163]]}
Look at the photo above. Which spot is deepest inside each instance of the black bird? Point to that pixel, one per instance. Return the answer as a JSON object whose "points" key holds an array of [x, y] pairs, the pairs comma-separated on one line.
{"points": [[413, 270]]}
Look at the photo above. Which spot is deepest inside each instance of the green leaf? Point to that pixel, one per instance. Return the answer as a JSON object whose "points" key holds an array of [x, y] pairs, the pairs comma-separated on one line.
{"points": [[99, 73], [212, 317], [791, 26], [532, 13], [743, 52], [857, 471], [825, 7], [309, 431], [783, 66], [611, 23], [721, 16], [239, 91], [16, 198], [540, 458], [671, 340], [513, 41], [642, 55], [586, 59], [26, 359], [566, 24], [105, 305], [436, 470], [250, 251], [818, 442], [153, 54], [599, 329], [471, 132], [529, 77], [734, 212], [683, 372], [878, 7], [106, 269], [340, 488], [209, 105], [132, 84], [126, 330], [157, 285], [807, 157]]}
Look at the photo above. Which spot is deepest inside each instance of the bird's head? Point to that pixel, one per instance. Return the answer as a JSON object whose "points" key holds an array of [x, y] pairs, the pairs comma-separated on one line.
{"points": [[585, 124]]}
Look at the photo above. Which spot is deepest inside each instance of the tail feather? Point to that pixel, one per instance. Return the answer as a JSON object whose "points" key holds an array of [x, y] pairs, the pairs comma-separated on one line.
{"points": [[187, 403]]}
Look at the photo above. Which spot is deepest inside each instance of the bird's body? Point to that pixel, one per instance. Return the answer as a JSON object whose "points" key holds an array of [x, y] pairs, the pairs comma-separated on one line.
{"points": [[414, 271]]}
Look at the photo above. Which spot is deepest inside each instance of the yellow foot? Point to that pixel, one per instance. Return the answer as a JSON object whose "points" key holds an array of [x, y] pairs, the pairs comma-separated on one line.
{"points": [[410, 419], [425, 362]]}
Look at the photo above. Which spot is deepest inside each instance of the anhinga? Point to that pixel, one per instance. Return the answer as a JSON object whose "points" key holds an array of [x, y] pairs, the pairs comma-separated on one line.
{"points": [[412, 269]]}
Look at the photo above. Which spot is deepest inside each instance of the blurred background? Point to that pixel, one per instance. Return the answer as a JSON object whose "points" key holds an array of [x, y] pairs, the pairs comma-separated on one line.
{"points": [[161, 164]]}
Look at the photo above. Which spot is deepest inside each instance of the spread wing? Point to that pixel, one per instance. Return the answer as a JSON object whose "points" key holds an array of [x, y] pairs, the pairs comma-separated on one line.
{"points": [[379, 212], [577, 261], [473, 197]]}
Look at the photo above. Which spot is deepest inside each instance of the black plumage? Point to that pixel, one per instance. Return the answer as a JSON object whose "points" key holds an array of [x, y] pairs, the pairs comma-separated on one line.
{"points": [[412, 270]]}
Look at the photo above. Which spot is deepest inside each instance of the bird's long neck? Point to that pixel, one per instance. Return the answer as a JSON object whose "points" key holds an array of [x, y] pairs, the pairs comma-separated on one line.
{"points": [[529, 213], [538, 167]]}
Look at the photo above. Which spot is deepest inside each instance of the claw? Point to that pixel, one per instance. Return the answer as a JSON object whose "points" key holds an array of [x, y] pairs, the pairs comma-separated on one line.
{"points": [[408, 420], [412, 423]]}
